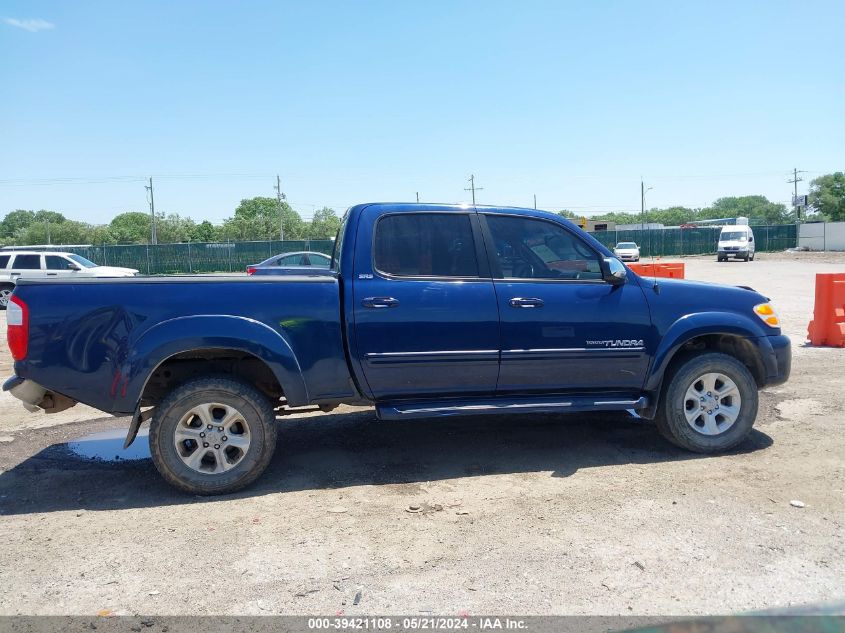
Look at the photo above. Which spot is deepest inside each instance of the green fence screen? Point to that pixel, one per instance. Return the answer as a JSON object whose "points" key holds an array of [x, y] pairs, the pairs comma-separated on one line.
{"points": [[195, 257], [696, 241], [214, 257]]}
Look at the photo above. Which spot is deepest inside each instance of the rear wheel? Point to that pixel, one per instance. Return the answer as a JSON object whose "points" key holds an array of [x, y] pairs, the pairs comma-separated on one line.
{"points": [[709, 404], [6, 291], [213, 435]]}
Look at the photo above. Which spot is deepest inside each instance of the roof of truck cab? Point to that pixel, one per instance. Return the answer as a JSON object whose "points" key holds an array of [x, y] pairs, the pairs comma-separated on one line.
{"points": [[409, 207]]}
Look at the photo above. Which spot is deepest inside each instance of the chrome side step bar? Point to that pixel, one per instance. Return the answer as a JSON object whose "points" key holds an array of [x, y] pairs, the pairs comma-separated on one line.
{"points": [[487, 406]]}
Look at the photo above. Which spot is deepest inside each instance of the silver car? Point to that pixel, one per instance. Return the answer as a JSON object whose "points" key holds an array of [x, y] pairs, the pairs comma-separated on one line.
{"points": [[627, 251]]}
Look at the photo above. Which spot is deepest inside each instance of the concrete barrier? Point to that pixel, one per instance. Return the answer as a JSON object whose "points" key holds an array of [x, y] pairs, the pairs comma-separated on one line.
{"points": [[672, 270], [828, 324]]}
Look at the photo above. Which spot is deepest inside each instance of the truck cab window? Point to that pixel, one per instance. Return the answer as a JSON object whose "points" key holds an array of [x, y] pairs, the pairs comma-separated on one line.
{"points": [[425, 245], [528, 248]]}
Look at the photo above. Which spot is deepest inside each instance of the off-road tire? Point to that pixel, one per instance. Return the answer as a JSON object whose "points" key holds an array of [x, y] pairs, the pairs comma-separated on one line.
{"points": [[257, 411], [671, 421]]}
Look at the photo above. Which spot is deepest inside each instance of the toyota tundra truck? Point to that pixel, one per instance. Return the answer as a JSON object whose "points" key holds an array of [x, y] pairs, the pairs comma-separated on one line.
{"points": [[427, 311]]}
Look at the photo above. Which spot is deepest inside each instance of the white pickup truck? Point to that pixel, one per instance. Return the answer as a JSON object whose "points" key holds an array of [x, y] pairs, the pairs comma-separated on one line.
{"points": [[16, 265]]}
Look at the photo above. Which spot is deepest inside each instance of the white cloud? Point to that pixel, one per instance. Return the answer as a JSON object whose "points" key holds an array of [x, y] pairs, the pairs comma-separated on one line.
{"points": [[33, 25]]}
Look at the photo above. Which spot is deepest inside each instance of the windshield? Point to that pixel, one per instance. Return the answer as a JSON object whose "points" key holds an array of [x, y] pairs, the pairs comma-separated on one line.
{"points": [[626, 245], [85, 263], [733, 236]]}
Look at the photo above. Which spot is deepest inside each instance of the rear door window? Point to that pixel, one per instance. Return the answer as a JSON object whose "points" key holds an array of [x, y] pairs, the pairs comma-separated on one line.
{"points": [[27, 262], [425, 245], [290, 260], [4, 260]]}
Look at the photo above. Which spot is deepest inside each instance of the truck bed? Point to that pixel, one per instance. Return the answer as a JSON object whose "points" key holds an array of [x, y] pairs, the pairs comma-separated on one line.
{"points": [[97, 340]]}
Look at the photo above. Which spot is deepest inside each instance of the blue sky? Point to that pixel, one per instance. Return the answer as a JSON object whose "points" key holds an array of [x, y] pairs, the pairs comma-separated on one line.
{"points": [[360, 101]]}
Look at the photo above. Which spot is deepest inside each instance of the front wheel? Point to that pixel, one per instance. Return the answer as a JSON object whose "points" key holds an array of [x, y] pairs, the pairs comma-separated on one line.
{"points": [[213, 435], [709, 403]]}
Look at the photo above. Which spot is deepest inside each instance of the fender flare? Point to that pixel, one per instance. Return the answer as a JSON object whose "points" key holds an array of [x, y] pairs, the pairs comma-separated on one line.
{"points": [[184, 334], [700, 324]]}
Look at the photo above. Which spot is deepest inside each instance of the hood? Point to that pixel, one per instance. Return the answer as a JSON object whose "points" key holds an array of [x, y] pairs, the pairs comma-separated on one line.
{"points": [[112, 271], [676, 298]]}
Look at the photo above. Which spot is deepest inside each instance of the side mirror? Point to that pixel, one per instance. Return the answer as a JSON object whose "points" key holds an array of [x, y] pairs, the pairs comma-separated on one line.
{"points": [[614, 271], [72, 266]]}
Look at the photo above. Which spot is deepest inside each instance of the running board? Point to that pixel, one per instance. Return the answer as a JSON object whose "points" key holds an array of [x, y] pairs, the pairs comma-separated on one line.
{"points": [[487, 406]]}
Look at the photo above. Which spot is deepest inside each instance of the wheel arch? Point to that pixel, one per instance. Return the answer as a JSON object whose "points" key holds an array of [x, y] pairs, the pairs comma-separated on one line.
{"points": [[207, 337], [730, 334]]}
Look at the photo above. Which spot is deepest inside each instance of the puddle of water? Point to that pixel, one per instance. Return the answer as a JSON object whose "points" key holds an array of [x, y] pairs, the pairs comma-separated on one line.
{"points": [[108, 446]]}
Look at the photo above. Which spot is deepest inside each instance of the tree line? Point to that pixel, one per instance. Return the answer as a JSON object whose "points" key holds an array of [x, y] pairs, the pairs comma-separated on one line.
{"points": [[259, 219], [254, 219], [826, 203]]}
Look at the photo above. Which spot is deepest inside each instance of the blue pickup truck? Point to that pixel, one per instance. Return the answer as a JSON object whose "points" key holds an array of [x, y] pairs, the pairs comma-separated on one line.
{"points": [[428, 310]]}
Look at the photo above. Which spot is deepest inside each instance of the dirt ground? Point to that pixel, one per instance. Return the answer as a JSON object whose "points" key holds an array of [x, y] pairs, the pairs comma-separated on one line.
{"points": [[578, 514]]}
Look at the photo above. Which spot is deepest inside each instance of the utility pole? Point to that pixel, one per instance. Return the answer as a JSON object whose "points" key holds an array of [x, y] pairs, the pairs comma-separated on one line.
{"points": [[418, 197], [795, 180], [279, 197], [535, 200], [153, 237], [473, 188], [47, 227], [643, 191]]}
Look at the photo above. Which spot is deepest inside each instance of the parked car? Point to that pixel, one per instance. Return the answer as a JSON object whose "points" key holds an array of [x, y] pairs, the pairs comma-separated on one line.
{"points": [[17, 265], [429, 310], [627, 251], [735, 241], [290, 263]]}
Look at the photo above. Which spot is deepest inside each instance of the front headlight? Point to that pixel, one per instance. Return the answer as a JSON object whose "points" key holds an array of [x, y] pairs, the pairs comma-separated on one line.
{"points": [[767, 313]]}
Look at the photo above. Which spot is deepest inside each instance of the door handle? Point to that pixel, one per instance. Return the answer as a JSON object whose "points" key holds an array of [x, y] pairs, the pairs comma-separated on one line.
{"points": [[52, 274], [519, 302], [380, 302]]}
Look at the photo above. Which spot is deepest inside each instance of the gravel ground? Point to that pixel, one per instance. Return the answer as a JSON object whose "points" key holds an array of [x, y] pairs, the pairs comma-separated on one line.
{"points": [[578, 514]]}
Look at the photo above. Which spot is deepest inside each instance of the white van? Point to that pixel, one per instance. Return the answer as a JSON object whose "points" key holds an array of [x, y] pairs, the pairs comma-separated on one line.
{"points": [[735, 241]]}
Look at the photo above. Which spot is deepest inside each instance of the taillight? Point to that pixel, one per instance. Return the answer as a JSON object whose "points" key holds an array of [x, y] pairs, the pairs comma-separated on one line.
{"points": [[17, 320], [250, 270]]}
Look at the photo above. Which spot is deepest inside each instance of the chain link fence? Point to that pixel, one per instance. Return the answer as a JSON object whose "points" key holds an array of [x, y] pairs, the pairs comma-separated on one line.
{"points": [[696, 241], [215, 257], [194, 257]]}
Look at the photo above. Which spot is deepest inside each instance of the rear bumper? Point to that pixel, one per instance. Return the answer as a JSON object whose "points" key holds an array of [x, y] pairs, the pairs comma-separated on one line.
{"points": [[27, 391], [35, 397]]}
